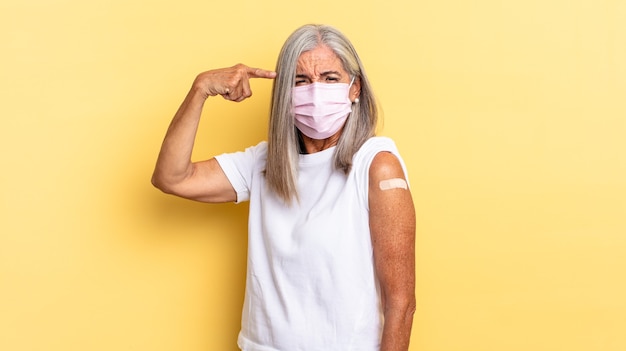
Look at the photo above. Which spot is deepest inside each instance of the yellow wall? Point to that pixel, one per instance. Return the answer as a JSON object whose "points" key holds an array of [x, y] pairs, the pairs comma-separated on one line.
{"points": [[511, 116]]}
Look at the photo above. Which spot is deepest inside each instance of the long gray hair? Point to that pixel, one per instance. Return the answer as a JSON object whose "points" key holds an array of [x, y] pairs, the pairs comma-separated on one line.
{"points": [[283, 143]]}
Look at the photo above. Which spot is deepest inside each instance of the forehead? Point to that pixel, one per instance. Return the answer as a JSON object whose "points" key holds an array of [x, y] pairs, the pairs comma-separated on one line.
{"points": [[319, 60]]}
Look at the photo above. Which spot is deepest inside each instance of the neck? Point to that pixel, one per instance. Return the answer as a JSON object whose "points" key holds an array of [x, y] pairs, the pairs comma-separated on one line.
{"points": [[316, 145]]}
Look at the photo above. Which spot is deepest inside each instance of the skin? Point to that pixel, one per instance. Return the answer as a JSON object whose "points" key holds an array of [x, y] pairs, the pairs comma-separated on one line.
{"points": [[392, 214], [392, 226], [174, 172]]}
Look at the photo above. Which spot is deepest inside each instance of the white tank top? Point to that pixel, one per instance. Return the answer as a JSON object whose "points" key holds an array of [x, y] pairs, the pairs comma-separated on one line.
{"points": [[311, 283]]}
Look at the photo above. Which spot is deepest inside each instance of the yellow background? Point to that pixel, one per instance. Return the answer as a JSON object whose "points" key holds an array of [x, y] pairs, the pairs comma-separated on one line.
{"points": [[509, 114]]}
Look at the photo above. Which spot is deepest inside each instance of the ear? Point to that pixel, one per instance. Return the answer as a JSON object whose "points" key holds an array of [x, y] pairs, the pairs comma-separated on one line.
{"points": [[355, 89]]}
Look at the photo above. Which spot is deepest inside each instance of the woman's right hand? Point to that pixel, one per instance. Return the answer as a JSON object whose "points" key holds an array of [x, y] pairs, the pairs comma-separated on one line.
{"points": [[232, 83]]}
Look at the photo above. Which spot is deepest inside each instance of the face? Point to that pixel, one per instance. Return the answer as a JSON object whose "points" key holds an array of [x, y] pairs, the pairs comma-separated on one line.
{"points": [[322, 65]]}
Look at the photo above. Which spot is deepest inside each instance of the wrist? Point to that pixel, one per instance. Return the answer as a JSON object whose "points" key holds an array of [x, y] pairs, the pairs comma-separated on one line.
{"points": [[198, 92]]}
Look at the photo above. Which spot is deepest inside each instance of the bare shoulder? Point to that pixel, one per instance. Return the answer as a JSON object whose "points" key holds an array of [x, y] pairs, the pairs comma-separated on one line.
{"points": [[388, 186], [385, 165]]}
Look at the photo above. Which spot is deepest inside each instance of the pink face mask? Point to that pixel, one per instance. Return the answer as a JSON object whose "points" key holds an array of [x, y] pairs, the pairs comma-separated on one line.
{"points": [[321, 109]]}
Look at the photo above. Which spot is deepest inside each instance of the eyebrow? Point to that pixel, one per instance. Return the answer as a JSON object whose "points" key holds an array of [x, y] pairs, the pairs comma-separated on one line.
{"points": [[327, 73]]}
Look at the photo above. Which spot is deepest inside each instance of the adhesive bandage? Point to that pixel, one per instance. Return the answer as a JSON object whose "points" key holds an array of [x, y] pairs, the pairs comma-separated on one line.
{"points": [[394, 183]]}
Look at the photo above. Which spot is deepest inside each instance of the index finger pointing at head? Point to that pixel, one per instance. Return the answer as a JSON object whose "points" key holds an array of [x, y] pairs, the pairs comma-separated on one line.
{"points": [[261, 73]]}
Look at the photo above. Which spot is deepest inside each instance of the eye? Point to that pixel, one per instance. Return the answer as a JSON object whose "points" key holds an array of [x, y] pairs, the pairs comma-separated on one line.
{"points": [[331, 79], [301, 81]]}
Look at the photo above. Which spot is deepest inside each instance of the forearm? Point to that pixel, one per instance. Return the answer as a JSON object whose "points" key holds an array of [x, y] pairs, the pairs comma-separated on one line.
{"points": [[174, 161], [397, 328]]}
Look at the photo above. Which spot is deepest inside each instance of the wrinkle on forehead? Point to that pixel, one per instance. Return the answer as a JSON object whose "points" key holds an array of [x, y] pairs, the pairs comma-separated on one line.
{"points": [[321, 59]]}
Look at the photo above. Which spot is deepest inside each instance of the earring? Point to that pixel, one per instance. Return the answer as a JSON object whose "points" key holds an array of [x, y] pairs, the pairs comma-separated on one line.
{"points": [[356, 101]]}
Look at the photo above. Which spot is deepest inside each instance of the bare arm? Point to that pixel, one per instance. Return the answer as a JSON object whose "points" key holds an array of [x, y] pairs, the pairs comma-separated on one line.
{"points": [[392, 223], [174, 172]]}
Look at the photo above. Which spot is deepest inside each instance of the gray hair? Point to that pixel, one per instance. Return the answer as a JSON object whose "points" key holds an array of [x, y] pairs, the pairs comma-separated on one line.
{"points": [[283, 143]]}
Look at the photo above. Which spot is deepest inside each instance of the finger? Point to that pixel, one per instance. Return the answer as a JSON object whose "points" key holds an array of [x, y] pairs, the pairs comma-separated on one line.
{"points": [[260, 73], [236, 94], [246, 92], [233, 98]]}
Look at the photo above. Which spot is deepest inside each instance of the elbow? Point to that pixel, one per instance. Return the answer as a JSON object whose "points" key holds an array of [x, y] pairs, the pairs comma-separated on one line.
{"points": [[171, 183], [157, 183], [160, 183]]}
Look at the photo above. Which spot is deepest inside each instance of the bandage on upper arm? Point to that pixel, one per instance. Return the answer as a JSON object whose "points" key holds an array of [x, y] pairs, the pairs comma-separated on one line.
{"points": [[393, 183]]}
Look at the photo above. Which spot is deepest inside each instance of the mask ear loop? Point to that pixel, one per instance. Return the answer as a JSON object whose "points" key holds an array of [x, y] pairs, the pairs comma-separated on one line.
{"points": [[356, 100]]}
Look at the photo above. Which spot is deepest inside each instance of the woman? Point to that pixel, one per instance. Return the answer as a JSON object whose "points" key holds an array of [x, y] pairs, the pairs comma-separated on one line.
{"points": [[331, 223]]}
